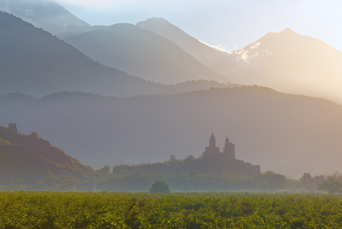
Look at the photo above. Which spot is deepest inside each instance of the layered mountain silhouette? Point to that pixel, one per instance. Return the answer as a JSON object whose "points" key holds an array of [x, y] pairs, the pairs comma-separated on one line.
{"points": [[290, 134], [45, 14], [141, 52], [294, 63], [220, 61], [284, 61], [34, 62], [30, 158], [122, 46], [284, 133]]}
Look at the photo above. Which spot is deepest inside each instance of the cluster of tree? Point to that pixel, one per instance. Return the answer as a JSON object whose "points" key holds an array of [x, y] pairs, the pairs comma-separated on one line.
{"points": [[331, 184], [195, 181], [171, 166], [14, 184], [187, 181], [201, 164], [311, 183], [104, 180]]}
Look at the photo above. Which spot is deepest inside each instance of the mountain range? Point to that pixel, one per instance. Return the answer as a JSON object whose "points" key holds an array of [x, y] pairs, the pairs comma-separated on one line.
{"points": [[220, 61], [67, 85], [159, 51], [285, 133], [285, 61], [143, 53], [34, 62], [294, 63]]}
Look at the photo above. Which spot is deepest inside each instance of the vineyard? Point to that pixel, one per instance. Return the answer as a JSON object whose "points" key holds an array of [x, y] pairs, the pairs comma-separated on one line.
{"points": [[177, 210]]}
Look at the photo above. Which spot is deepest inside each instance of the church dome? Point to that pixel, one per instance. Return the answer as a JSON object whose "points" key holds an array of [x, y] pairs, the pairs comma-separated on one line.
{"points": [[227, 139], [212, 138]]}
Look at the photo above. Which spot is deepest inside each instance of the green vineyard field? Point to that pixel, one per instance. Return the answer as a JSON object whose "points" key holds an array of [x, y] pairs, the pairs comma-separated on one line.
{"points": [[177, 210]]}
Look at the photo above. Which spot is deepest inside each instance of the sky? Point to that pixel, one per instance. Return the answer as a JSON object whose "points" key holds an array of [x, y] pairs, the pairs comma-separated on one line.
{"points": [[229, 24]]}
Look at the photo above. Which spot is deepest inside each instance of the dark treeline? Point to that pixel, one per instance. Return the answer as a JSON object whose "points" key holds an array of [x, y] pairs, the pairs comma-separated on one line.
{"points": [[132, 178]]}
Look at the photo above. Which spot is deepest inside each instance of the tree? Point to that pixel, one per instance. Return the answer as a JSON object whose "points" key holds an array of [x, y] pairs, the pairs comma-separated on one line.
{"points": [[271, 180], [105, 169], [49, 183], [331, 186], [67, 183], [160, 187], [173, 158], [306, 180], [34, 134]]}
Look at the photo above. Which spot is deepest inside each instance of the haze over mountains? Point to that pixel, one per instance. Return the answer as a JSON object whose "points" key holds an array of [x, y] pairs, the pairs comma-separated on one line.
{"points": [[122, 46], [286, 133], [34, 62], [141, 52], [45, 14], [285, 61], [151, 56], [218, 60], [269, 128], [294, 63]]}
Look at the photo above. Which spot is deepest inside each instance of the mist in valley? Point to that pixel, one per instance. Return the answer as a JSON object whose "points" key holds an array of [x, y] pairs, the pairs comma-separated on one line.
{"points": [[138, 93]]}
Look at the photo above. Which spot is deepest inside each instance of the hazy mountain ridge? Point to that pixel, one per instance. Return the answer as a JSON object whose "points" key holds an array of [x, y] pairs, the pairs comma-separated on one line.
{"points": [[286, 133], [34, 62], [141, 52], [215, 59], [285, 61], [45, 14], [294, 63], [121, 46]]}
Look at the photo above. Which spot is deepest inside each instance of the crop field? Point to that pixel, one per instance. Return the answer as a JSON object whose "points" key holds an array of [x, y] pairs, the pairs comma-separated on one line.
{"points": [[177, 210]]}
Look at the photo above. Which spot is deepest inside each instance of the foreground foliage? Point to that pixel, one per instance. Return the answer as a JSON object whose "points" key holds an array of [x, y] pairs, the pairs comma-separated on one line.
{"points": [[180, 210]]}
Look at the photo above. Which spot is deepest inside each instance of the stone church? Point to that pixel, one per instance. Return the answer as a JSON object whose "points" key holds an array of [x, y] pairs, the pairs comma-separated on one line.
{"points": [[226, 161]]}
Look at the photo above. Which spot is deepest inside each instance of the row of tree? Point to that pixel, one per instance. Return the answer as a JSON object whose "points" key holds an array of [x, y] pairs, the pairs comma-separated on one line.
{"points": [[188, 181], [123, 179]]}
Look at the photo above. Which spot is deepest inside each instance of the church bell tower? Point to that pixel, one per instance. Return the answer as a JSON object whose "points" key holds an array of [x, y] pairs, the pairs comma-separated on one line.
{"points": [[212, 141], [229, 149]]}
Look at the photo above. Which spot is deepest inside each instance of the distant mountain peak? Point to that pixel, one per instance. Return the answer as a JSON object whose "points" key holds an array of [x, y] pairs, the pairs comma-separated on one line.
{"points": [[46, 14], [155, 21], [287, 31]]}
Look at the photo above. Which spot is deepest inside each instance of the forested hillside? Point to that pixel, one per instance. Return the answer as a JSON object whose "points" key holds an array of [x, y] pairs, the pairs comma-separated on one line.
{"points": [[26, 159], [284, 133]]}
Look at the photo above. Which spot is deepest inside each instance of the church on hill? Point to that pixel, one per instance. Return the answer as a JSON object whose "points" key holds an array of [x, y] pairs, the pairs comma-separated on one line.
{"points": [[226, 160]]}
